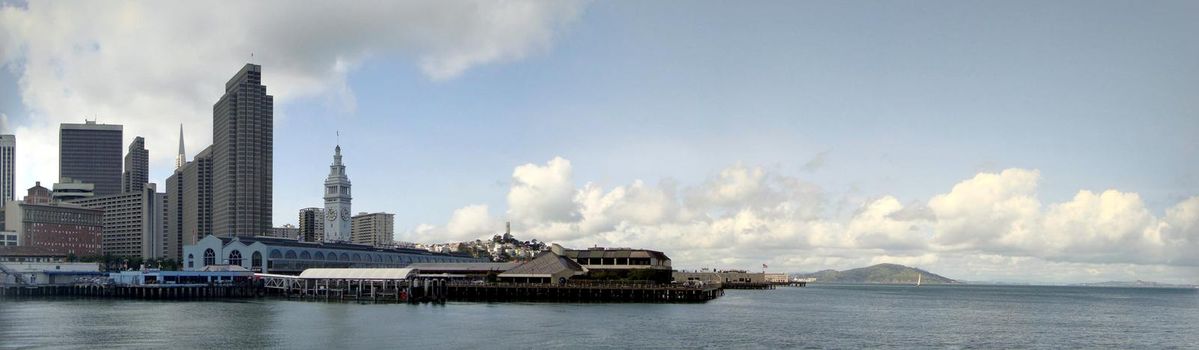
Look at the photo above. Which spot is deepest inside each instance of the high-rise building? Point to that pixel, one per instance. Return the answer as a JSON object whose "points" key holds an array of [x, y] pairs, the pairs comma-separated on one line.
{"points": [[242, 156], [312, 224], [132, 222], [337, 201], [8, 153], [197, 197], [173, 231], [137, 167], [375, 229], [91, 153]]}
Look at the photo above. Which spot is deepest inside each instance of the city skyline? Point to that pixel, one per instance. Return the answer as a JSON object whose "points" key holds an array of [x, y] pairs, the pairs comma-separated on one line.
{"points": [[1036, 149]]}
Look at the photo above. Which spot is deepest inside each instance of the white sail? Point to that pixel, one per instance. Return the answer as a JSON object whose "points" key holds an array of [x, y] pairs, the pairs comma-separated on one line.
{"points": [[918, 278]]}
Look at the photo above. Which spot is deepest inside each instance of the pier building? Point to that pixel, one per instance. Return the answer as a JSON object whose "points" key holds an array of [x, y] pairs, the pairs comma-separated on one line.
{"points": [[290, 256]]}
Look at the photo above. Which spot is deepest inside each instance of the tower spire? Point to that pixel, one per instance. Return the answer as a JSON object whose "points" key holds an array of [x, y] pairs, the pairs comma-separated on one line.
{"points": [[181, 158]]}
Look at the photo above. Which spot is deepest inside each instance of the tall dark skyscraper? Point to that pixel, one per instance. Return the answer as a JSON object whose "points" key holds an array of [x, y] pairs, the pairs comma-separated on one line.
{"points": [[242, 156], [91, 153], [137, 167], [8, 154]]}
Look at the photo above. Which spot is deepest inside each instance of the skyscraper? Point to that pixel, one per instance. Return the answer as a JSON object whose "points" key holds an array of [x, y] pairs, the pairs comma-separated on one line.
{"points": [[337, 201], [197, 196], [8, 151], [91, 153], [137, 167], [242, 156]]}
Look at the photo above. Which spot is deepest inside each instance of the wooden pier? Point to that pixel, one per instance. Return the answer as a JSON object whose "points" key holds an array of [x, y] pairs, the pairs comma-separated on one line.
{"points": [[147, 292], [582, 293]]}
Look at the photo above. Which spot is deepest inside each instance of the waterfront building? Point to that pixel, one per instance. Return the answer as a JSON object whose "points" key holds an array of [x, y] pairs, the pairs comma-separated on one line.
{"points": [[91, 153], [38, 266], [724, 277], [375, 229], [620, 263], [137, 166], [242, 156], [312, 225], [68, 189], [288, 256], [549, 267], [337, 201], [57, 228], [8, 156], [132, 222], [288, 231]]}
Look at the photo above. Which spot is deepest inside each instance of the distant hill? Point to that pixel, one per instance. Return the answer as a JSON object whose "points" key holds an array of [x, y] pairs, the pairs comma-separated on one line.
{"points": [[881, 273]]}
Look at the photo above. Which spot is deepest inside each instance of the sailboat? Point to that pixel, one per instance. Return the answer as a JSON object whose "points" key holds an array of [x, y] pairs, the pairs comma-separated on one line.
{"points": [[918, 278]]}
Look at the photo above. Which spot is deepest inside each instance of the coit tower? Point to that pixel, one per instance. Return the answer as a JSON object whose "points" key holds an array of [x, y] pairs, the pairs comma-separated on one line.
{"points": [[337, 201]]}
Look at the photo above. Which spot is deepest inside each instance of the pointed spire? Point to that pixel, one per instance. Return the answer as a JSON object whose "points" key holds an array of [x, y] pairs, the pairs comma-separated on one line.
{"points": [[181, 158]]}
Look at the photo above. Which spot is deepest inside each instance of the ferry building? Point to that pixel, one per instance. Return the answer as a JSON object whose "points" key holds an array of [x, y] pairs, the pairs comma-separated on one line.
{"points": [[289, 256]]}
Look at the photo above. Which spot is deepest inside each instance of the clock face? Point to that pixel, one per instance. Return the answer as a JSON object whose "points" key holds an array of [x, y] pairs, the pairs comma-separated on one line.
{"points": [[345, 213], [331, 214]]}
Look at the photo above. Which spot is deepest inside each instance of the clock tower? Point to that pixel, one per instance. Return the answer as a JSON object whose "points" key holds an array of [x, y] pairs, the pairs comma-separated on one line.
{"points": [[337, 201]]}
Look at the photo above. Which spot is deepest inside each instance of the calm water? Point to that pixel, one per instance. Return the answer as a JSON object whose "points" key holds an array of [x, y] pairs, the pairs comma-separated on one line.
{"points": [[813, 317]]}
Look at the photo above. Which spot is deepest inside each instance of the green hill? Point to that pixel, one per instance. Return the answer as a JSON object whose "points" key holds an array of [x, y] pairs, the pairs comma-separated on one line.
{"points": [[881, 273]]}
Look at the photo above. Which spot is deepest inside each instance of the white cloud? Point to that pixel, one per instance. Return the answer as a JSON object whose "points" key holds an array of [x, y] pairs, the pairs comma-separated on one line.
{"points": [[154, 65], [745, 216]]}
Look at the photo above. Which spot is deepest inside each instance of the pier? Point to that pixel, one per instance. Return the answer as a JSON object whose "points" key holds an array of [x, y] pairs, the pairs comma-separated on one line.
{"points": [[147, 292]]}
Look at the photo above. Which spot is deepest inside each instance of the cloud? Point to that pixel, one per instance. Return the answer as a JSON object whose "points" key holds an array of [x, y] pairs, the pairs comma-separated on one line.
{"points": [[154, 65], [816, 162], [744, 216]]}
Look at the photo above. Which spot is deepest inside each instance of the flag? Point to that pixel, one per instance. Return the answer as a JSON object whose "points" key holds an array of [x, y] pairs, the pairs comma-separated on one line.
{"points": [[763, 266]]}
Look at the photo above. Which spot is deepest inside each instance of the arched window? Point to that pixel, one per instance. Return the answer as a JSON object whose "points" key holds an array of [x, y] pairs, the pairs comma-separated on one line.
{"points": [[275, 254], [235, 258], [332, 256], [305, 256], [357, 257], [256, 259], [369, 258], [291, 255], [320, 256], [344, 257], [209, 257], [191, 261]]}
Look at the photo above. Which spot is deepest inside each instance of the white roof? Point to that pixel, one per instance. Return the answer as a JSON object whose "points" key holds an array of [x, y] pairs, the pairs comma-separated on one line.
{"points": [[357, 274]]}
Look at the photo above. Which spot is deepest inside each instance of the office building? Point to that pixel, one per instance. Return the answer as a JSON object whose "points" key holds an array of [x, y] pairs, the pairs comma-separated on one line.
{"points": [[8, 154], [58, 228], [38, 195], [91, 153], [337, 201], [68, 189], [132, 222], [198, 197], [242, 156], [181, 158], [137, 167], [374, 229], [312, 225], [287, 231]]}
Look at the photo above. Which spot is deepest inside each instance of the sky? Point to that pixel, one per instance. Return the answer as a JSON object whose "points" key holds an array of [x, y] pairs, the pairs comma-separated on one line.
{"points": [[1025, 141]]}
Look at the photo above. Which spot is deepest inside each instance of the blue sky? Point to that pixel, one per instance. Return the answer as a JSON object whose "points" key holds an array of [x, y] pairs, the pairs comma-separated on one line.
{"points": [[853, 101]]}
